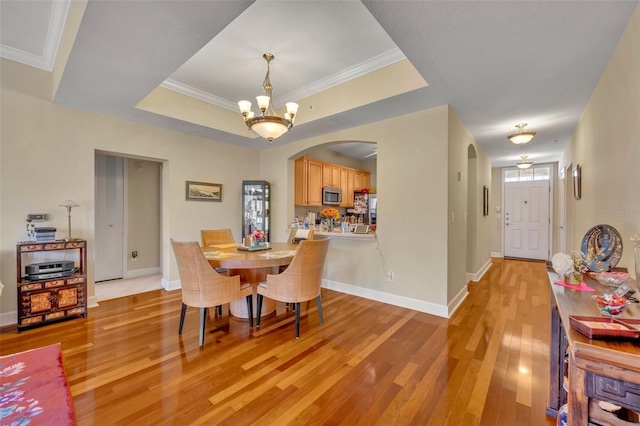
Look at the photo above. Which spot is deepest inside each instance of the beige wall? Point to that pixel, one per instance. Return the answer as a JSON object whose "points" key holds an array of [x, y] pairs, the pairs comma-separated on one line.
{"points": [[463, 194], [606, 145], [48, 157], [412, 155]]}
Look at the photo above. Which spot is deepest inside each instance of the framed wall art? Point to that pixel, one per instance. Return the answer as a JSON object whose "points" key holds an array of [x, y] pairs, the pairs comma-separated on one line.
{"points": [[203, 191], [577, 181]]}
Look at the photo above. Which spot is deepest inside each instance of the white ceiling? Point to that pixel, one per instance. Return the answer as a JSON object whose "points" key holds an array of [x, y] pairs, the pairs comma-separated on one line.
{"points": [[496, 63]]}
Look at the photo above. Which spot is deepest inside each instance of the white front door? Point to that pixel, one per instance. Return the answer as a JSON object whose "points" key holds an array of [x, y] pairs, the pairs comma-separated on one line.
{"points": [[526, 219]]}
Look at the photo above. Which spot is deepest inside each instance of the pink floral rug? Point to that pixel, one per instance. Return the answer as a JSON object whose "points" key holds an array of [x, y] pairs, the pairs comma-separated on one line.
{"points": [[34, 389]]}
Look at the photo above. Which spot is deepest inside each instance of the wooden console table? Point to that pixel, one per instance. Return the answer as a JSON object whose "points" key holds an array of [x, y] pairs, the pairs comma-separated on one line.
{"points": [[598, 370]]}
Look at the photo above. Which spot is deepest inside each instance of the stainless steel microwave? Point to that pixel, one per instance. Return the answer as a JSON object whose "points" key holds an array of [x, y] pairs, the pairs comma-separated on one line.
{"points": [[331, 196]]}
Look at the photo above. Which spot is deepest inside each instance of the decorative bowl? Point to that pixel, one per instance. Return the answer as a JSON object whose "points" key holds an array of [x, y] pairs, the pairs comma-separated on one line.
{"points": [[613, 279], [610, 305]]}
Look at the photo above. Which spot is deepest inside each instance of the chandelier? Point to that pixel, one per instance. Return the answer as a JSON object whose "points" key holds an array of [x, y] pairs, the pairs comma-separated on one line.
{"points": [[269, 125], [524, 163], [522, 135]]}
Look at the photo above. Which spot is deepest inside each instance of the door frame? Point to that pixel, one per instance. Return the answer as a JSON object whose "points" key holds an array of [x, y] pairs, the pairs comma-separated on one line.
{"points": [[552, 183]]}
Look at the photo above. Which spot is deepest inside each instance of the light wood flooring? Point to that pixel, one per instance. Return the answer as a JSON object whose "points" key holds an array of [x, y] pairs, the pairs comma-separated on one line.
{"points": [[370, 364]]}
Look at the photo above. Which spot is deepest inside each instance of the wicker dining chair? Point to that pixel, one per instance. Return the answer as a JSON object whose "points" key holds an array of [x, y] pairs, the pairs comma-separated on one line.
{"points": [[300, 282], [299, 234], [212, 237], [203, 287]]}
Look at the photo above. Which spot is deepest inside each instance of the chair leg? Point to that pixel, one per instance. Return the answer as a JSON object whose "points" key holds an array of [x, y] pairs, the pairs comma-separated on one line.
{"points": [[250, 309], [297, 308], [203, 318], [319, 305], [259, 310], [219, 310], [182, 313]]}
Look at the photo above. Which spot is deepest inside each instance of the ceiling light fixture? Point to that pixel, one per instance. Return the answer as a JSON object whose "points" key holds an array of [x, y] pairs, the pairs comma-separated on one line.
{"points": [[522, 135], [524, 163], [269, 125]]}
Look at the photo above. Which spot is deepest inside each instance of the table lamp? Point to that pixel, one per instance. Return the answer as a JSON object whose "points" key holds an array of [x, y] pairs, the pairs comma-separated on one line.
{"points": [[69, 204]]}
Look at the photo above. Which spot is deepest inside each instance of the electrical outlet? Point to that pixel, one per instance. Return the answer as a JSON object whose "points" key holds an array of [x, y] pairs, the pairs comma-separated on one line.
{"points": [[390, 276], [134, 254]]}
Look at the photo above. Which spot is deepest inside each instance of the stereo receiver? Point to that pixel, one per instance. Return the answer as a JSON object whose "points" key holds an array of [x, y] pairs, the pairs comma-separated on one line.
{"points": [[45, 270]]}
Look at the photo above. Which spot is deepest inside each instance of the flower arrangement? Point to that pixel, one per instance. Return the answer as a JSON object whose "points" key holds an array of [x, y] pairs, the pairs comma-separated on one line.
{"points": [[329, 213], [258, 234], [562, 263], [571, 266]]}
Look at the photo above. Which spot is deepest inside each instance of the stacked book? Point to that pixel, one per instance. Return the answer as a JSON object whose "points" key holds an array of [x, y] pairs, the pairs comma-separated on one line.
{"points": [[45, 234]]}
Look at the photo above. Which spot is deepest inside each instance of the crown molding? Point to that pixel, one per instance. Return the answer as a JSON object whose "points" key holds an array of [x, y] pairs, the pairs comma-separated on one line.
{"points": [[384, 59], [190, 91], [373, 64], [57, 20]]}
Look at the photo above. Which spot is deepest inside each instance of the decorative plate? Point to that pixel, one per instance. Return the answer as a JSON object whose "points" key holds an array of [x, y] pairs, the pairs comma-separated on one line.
{"points": [[602, 248]]}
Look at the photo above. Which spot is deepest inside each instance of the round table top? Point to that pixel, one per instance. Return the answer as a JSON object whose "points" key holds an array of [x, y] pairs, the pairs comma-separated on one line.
{"points": [[228, 256]]}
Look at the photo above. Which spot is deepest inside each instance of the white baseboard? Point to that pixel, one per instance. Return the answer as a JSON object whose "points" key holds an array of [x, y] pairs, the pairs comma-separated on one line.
{"points": [[8, 318], [134, 273], [478, 275], [457, 300], [171, 285], [498, 254], [391, 299], [92, 302]]}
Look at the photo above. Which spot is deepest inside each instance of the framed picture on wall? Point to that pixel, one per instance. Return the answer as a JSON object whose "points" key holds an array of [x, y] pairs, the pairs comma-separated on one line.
{"points": [[485, 201], [203, 191], [577, 182]]}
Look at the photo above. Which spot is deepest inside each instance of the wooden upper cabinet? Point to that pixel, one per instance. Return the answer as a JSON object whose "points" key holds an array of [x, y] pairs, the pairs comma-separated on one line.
{"points": [[308, 182], [311, 175], [344, 187], [314, 183], [362, 180], [331, 175]]}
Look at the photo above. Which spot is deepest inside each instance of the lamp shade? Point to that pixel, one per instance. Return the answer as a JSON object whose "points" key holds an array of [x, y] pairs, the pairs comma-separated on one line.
{"points": [[524, 163], [522, 135], [69, 203]]}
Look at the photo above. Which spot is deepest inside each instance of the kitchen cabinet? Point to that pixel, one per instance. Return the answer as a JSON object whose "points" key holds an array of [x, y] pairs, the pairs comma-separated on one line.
{"points": [[255, 206], [308, 182], [345, 187], [361, 180], [331, 175], [311, 175], [55, 297]]}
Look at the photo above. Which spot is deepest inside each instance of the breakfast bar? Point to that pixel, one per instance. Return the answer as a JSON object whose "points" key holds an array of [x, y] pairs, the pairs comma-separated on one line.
{"points": [[600, 369]]}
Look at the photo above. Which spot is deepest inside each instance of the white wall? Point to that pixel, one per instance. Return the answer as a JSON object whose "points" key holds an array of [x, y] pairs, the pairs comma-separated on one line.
{"points": [[606, 145]]}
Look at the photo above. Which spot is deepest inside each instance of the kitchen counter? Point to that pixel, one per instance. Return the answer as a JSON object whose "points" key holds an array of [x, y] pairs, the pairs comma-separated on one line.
{"points": [[338, 234]]}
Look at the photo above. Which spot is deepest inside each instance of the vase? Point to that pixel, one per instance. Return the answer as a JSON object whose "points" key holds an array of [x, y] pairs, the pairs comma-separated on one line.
{"points": [[327, 224], [574, 278]]}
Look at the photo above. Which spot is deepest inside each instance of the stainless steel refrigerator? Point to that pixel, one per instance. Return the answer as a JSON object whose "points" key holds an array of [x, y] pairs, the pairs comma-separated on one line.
{"points": [[365, 206]]}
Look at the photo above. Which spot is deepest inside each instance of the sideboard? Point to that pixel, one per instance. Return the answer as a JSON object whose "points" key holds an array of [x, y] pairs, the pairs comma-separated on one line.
{"points": [[597, 370]]}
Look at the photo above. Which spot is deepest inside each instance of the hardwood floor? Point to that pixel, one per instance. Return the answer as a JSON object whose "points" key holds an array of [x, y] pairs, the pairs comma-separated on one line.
{"points": [[370, 363]]}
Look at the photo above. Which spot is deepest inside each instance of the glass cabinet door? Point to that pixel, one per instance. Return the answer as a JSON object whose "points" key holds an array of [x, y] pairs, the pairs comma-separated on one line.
{"points": [[255, 207]]}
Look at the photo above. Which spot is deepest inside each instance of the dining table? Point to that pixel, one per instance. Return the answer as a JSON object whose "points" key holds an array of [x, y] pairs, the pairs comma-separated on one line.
{"points": [[252, 265]]}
